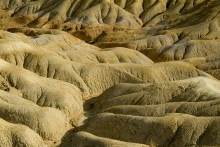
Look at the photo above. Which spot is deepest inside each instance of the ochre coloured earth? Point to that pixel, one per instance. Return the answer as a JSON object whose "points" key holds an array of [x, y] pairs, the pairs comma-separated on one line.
{"points": [[109, 73]]}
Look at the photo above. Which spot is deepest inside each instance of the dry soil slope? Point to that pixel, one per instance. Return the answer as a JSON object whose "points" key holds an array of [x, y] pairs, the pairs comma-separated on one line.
{"points": [[209, 64], [50, 80], [177, 113], [184, 29], [52, 70]]}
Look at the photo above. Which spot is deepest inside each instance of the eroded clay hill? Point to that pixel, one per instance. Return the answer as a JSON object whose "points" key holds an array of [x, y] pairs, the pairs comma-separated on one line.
{"points": [[109, 73]]}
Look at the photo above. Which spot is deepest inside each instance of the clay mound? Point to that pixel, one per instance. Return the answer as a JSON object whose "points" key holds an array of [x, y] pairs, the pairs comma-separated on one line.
{"points": [[170, 36], [66, 46], [49, 14], [42, 91], [83, 139], [191, 49], [49, 63], [19, 135], [147, 108], [106, 16], [149, 12], [86, 73], [156, 15], [52, 70], [111, 56], [148, 45], [17, 110], [195, 96], [106, 13], [179, 129], [209, 64]]}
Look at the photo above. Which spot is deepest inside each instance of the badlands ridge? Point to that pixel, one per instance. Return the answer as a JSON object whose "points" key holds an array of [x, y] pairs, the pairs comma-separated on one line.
{"points": [[110, 73]]}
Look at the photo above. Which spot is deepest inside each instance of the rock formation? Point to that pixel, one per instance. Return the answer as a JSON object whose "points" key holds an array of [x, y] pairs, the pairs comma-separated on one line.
{"points": [[97, 73]]}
